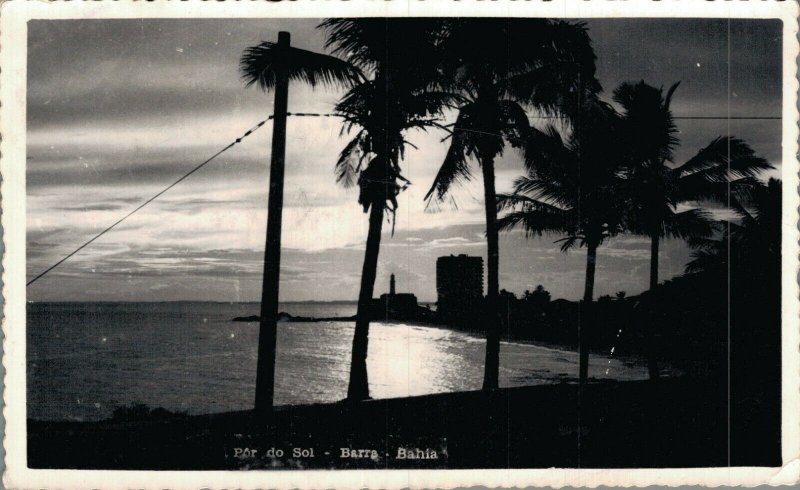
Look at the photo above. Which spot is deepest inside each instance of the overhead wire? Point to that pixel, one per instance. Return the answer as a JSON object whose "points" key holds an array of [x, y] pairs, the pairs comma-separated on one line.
{"points": [[248, 133], [170, 186]]}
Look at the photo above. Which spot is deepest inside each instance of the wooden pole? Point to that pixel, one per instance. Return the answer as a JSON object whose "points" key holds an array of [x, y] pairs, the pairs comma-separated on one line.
{"points": [[586, 323], [650, 340], [491, 371], [265, 371]]}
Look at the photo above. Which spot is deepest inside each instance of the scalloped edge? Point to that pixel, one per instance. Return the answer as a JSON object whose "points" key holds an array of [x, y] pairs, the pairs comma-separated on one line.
{"points": [[14, 14]]}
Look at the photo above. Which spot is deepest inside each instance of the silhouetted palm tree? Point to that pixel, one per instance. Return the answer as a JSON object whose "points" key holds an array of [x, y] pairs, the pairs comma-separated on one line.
{"points": [[272, 66], [397, 53], [657, 187], [751, 239], [573, 187], [497, 67]]}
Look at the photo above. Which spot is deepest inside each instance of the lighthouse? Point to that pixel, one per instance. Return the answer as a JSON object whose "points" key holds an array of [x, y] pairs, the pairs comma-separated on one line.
{"points": [[396, 306]]}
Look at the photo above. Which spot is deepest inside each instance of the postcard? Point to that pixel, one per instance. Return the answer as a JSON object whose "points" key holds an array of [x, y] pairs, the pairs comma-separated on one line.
{"points": [[399, 244]]}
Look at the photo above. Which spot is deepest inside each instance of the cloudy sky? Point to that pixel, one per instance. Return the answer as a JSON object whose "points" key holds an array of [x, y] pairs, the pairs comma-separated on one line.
{"points": [[117, 109]]}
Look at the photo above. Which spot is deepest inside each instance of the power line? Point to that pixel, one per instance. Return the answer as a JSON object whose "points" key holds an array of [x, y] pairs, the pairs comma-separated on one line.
{"points": [[156, 196], [729, 118], [195, 169], [725, 118]]}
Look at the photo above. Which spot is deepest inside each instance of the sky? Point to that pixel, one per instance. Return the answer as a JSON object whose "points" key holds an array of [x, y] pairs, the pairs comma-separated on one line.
{"points": [[118, 109]]}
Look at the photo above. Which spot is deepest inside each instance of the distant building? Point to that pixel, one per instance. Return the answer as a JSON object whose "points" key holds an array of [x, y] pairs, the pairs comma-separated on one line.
{"points": [[459, 284], [397, 306]]}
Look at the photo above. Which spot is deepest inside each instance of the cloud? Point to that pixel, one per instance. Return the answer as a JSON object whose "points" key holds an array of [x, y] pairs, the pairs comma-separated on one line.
{"points": [[111, 123], [450, 242], [92, 207]]}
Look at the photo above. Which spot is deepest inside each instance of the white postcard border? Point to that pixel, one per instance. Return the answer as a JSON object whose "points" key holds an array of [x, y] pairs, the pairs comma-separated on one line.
{"points": [[13, 50]]}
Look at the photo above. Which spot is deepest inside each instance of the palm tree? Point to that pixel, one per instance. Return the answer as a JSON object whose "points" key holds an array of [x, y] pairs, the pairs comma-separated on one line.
{"points": [[572, 187], [496, 68], [271, 66], [657, 187], [397, 53]]}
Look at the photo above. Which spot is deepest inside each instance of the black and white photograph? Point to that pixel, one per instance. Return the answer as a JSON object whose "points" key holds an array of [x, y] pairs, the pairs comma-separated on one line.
{"points": [[405, 243]]}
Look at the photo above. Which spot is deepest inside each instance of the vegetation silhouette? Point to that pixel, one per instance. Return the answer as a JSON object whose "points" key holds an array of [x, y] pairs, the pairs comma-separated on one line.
{"points": [[656, 187], [753, 241], [397, 55], [271, 66], [744, 258], [571, 188], [551, 72], [595, 174]]}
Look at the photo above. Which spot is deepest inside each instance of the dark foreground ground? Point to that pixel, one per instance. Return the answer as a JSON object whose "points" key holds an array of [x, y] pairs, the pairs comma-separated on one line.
{"points": [[669, 423]]}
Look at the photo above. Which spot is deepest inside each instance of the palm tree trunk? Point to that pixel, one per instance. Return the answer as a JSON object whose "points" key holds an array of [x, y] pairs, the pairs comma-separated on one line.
{"points": [[584, 326], [268, 325], [358, 389], [654, 239], [652, 363], [492, 363]]}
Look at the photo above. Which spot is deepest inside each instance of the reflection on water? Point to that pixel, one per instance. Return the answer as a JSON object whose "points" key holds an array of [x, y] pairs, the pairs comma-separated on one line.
{"points": [[406, 361], [85, 359]]}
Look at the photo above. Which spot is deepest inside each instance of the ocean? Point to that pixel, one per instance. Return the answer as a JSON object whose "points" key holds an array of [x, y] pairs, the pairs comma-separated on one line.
{"points": [[86, 359]]}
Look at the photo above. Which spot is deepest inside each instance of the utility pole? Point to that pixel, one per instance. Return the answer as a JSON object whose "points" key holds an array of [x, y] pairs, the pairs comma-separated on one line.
{"points": [[268, 327]]}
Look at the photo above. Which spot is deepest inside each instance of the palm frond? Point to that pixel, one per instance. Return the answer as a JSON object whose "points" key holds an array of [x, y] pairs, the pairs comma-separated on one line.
{"points": [[545, 154], [757, 202], [725, 157], [429, 101], [534, 222], [355, 106], [362, 41], [696, 188], [517, 125], [689, 224], [509, 201], [710, 252], [570, 242], [704, 260], [550, 89], [260, 64], [350, 159], [557, 192], [768, 201], [558, 71], [534, 216], [405, 49], [670, 92], [704, 242], [649, 129], [454, 170]]}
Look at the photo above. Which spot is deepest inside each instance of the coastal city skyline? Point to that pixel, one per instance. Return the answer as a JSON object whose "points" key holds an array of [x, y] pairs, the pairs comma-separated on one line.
{"points": [[110, 124]]}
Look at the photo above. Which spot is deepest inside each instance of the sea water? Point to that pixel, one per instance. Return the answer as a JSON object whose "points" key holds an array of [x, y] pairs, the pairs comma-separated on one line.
{"points": [[85, 359]]}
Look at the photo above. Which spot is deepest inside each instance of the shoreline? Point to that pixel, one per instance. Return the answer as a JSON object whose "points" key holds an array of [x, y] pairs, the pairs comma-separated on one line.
{"points": [[444, 326]]}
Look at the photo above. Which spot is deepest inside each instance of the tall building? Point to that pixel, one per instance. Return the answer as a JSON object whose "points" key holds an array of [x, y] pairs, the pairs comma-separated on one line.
{"points": [[459, 284]]}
